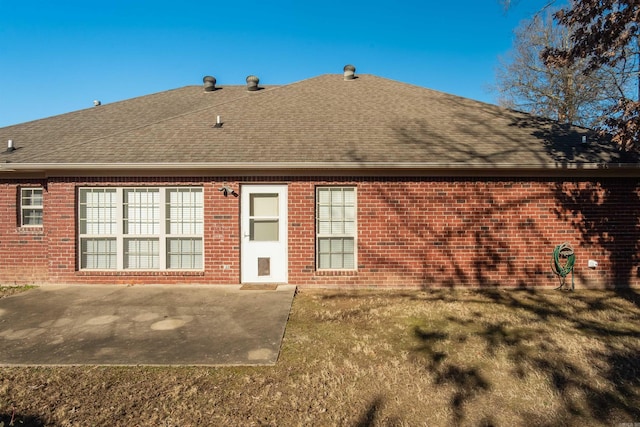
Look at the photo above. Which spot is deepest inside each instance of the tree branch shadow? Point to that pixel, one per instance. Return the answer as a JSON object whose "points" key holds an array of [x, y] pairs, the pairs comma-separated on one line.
{"points": [[475, 246], [588, 208], [21, 420], [533, 350], [603, 212], [369, 417]]}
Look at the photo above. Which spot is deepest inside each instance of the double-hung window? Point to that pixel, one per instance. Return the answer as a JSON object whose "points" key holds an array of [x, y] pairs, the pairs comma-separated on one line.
{"points": [[336, 228], [141, 228], [31, 207]]}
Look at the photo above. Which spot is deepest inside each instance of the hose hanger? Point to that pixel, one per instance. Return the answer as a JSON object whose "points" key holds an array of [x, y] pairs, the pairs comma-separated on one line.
{"points": [[562, 264]]}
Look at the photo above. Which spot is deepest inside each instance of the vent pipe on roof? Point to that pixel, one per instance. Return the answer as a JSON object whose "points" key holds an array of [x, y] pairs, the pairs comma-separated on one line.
{"points": [[349, 72], [10, 146], [252, 83], [209, 83]]}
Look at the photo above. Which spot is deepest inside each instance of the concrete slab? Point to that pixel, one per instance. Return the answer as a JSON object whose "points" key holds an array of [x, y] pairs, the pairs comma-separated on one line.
{"points": [[144, 325]]}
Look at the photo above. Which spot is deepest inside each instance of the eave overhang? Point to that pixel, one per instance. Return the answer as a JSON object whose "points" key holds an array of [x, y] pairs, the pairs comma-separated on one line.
{"points": [[320, 168]]}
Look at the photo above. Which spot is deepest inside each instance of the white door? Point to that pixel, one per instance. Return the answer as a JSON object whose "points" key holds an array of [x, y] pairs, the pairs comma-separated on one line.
{"points": [[264, 254]]}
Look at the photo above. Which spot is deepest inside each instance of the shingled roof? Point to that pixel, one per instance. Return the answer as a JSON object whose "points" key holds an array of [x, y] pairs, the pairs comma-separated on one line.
{"points": [[323, 123]]}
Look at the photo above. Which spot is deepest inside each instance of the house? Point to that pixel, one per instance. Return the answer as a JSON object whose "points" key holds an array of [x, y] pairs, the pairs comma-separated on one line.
{"points": [[340, 180]]}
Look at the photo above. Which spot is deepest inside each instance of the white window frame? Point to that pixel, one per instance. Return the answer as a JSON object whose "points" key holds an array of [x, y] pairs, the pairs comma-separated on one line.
{"points": [[144, 218], [341, 234], [26, 193]]}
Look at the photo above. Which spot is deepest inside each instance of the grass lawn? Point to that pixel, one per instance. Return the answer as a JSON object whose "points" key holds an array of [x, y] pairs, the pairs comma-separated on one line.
{"points": [[396, 358]]}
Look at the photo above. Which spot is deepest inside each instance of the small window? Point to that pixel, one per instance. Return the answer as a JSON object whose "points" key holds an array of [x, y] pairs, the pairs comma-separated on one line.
{"points": [[336, 228], [31, 207]]}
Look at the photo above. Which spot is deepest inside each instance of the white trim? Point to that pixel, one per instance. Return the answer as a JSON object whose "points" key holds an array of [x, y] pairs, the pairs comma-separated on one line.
{"points": [[39, 167], [120, 237], [319, 236], [276, 251], [31, 207]]}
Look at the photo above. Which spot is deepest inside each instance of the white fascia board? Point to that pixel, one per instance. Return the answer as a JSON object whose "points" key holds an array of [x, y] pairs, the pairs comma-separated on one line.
{"points": [[42, 167]]}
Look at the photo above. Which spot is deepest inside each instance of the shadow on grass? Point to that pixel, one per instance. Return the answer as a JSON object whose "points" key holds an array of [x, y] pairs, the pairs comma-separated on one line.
{"points": [[369, 417], [20, 420], [532, 347], [467, 383]]}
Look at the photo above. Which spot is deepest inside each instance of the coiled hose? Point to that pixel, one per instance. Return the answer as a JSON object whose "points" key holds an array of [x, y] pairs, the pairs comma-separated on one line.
{"points": [[563, 261]]}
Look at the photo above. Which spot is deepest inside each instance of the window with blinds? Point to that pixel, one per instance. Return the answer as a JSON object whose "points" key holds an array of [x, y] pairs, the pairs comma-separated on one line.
{"points": [[141, 228], [336, 228]]}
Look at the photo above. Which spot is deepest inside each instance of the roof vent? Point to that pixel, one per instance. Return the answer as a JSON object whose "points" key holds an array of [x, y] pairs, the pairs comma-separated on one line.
{"points": [[10, 146], [96, 103], [252, 83], [209, 83], [349, 72]]}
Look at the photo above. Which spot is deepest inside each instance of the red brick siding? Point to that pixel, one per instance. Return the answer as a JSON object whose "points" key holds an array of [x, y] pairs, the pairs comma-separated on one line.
{"points": [[23, 250], [55, 258], [479, 232], [411, 233]]}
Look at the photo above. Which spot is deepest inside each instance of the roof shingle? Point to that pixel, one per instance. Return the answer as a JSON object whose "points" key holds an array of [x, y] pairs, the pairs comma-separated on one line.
{"points": [[323, 120]]}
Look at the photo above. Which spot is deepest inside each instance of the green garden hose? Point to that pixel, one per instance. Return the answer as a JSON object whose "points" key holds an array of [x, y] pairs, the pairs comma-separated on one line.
{"points": [[563, 261]]}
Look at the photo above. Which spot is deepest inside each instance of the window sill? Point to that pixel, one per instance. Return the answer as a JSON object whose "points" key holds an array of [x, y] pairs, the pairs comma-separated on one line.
{"points": [[139, 273], [336, 272], [34, 229]]}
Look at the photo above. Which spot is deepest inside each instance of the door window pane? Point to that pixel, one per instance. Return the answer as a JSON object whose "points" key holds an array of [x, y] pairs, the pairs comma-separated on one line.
{"points": [[263, 230], [263, 205], [263, 217]]}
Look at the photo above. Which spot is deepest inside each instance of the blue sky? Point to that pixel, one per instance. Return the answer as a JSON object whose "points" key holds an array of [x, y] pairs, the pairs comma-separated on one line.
{"points": [[58, 56]]}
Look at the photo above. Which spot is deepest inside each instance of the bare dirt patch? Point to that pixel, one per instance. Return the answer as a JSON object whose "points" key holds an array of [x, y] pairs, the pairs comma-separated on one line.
{"points": [[494, 357]]}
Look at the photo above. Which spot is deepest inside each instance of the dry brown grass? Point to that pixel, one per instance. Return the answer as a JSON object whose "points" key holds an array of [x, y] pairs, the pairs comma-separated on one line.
{"points": [[437, 358], [6, 291]]}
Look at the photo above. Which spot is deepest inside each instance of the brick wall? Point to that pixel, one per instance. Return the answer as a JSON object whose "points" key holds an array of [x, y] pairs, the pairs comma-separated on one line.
{"points": [[411, 233], [23, 250], [484, 232], [49, 254]]}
